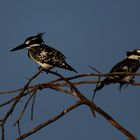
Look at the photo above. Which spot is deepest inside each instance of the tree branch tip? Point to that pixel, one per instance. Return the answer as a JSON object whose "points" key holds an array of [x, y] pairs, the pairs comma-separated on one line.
{"points": [[70, 88]]}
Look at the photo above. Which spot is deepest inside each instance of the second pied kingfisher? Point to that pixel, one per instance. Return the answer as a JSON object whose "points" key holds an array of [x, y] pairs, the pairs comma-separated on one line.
{"points": [[129, 65], [44, 55]]}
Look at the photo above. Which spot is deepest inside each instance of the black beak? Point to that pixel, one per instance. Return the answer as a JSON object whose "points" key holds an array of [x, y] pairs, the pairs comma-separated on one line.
{"points": [[22, 46]]}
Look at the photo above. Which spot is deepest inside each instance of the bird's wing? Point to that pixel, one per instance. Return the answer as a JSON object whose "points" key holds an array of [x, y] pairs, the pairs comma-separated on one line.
{"points": [[126, 65], [52, 56]]}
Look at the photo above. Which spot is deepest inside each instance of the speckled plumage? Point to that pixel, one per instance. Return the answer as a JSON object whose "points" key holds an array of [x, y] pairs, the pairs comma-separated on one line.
{"points": [[129, 65], [44, 55]]}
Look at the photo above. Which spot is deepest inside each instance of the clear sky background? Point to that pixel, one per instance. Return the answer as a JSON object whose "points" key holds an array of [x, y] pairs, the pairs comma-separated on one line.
{"points": [[88, 32]]}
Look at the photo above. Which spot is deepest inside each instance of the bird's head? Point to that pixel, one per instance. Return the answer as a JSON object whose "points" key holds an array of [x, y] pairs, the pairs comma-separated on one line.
{"points": [[133, 54], [31, 42]]}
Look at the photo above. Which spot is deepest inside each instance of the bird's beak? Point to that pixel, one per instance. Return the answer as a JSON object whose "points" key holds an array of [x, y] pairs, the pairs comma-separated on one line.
{"points": [[22, 46]]}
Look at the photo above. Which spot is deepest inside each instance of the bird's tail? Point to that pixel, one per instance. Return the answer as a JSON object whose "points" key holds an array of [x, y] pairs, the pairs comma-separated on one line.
{"points": [[98, 88], [106, 81], [68, 67]]}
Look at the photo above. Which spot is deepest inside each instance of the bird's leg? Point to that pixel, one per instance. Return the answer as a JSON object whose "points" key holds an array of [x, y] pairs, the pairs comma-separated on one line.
{"points": [[132, 81], [127, 83], [39, 68], [47, 71], [121, 86]]}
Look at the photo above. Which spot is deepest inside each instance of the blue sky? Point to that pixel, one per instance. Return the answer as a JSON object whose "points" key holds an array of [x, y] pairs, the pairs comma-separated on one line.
{"points": [[88, 32]]}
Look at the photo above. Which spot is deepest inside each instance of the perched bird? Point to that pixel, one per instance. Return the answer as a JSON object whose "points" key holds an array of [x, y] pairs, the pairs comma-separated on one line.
{"points": [[129, 65], [44, 55]]}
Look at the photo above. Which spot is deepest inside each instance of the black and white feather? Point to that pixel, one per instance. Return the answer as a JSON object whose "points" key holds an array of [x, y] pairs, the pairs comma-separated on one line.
{"points": [[129, 65], [44, 55]]}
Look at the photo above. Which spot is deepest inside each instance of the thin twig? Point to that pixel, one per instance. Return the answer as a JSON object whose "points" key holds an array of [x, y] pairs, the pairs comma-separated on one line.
{"points": [[44, 124], [18, 99], [2, 131], [94, 75], [64, 87], [22, 112], [81, 102], [95, 69], [116, 124], [32, 107], [80, 82], [19, 130]]}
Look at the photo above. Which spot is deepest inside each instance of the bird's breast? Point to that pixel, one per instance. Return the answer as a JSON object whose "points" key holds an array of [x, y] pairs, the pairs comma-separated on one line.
{"points": [[127, 78], [38, 59]]}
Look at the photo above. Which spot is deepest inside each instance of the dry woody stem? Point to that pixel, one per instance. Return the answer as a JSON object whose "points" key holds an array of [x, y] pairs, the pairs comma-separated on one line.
{"points": [[65, 85]]}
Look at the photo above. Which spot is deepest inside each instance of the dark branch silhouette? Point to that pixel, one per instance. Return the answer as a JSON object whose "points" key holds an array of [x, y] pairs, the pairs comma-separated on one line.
{"points": [[66, 85]]}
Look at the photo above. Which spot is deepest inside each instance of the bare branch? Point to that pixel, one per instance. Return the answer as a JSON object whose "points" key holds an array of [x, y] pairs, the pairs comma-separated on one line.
{"points": [[17, 122], [17, 100], [65, 85], [2, 131], [19, 130], [95, 69], [116, 124], [44, 124], [33, 104]]}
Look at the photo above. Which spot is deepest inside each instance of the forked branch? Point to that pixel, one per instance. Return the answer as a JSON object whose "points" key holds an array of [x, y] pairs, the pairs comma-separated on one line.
{"points": [[66, 85]]}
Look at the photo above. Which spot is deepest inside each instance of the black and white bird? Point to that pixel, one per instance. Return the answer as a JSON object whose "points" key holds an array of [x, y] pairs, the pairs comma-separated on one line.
{"points": [[129, 65], [44, 55]]}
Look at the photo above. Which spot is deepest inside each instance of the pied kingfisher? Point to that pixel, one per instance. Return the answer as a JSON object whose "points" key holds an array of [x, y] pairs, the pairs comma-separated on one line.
{"points": [[44, 55], [129, 65]]}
